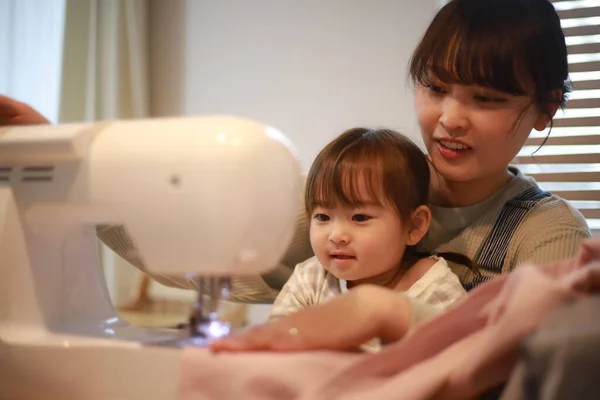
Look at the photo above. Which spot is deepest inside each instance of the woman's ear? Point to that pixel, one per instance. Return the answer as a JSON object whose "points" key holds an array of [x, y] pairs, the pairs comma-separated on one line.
{"points": [[547, 113], [419, 225]]}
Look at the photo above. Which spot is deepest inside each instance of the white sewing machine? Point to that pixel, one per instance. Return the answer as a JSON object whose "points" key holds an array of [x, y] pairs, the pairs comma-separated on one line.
{"points": [[205, 197]]}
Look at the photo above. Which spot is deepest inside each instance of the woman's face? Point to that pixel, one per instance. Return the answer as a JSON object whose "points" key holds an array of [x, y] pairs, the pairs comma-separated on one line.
{"points": [[473, 133]]}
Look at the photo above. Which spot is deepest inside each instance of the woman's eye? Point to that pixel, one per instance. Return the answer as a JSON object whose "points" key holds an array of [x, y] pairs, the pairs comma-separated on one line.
{"points": [[360, 218], [321, 217], [489, 99]]}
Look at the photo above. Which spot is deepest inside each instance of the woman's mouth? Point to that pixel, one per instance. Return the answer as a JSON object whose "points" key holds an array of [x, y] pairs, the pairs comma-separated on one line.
{"points": [[452, 149]]}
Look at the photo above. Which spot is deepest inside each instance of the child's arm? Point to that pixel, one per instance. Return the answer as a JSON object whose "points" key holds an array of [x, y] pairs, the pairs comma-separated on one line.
{"points": [[343, 323]]}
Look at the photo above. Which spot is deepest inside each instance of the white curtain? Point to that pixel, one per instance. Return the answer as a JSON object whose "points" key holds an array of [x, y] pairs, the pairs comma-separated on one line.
{"points": [[104, 77], [105, 60], [31, 39]]}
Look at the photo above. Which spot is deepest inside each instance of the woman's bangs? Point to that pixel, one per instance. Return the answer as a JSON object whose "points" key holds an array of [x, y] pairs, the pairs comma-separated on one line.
{"points": [[476, 57]]}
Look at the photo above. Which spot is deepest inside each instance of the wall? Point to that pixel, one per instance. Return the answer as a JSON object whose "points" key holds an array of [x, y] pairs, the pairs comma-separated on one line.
{"points": [[310, 68]]}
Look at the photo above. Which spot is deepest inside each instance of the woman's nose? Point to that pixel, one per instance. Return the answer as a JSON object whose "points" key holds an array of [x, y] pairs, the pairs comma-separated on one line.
{"points": [[454, 116]]}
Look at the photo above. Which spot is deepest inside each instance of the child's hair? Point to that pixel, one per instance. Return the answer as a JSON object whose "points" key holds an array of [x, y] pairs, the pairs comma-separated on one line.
{"points": [[386, 164], [514, 46]]}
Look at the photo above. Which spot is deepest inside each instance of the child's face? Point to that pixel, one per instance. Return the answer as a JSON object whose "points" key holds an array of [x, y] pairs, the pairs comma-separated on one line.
{"points": [[358, 243]]}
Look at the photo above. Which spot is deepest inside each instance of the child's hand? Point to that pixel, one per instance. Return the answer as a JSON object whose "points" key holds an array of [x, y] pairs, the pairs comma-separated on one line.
{"points": [[14, 112], [344, 323]]}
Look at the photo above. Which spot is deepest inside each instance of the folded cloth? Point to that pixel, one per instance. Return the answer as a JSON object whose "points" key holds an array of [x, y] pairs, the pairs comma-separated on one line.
{"points": [[254, 376], [457, 355]]}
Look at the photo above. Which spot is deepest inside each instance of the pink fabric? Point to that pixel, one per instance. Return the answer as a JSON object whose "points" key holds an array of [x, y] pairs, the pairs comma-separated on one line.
{"points": [[457, 355]]}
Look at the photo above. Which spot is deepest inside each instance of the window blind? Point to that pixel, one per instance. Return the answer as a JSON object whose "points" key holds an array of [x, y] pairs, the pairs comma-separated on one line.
{"points": [[569, 162]]}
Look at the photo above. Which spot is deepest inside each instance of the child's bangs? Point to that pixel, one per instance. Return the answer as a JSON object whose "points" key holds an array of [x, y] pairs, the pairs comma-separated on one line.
{"points": [[346, 184], [456, 52]]}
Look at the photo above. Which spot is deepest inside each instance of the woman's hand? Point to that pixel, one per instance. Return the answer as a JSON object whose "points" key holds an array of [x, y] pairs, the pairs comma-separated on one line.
{"points": [[344, 323], [13, 112]]}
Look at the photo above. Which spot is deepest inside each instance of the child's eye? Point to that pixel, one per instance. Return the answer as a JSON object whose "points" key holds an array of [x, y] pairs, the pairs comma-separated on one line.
{"points": [[435, 88], [321, 217], [360, 218]]}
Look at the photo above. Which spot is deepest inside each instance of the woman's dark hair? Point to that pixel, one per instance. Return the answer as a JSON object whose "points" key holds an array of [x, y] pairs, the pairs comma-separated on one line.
{"points": [[514, 46]]}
